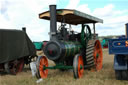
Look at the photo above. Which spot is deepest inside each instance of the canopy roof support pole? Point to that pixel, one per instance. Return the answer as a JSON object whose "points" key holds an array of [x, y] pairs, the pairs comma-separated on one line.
{"points": [[126, 28], [94, 30]]}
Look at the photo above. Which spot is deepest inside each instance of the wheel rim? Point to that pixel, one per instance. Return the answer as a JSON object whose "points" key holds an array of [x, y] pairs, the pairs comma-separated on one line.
{"points": [[98, 57], [20, 65], [43, 63], [80, 66], [16, 66]]}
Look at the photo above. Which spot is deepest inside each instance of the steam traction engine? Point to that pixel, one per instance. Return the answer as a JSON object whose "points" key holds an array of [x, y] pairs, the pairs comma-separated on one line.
{"points": [[68, 49]]}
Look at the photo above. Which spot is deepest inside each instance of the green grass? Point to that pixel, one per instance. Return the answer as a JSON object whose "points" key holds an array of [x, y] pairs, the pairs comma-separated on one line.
{"points": [[55, 77]]}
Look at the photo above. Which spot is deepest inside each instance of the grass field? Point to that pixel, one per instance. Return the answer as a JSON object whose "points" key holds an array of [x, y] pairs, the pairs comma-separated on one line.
{"points": [[55, 77]]}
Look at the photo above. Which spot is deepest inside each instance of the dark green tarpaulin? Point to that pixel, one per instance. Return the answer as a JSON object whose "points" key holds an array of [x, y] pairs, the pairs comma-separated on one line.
{"points": [[15, 44]]}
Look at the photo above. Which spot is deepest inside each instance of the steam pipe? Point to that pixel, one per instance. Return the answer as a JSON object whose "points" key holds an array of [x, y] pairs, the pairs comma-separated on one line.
{"points": [[53, 24]]}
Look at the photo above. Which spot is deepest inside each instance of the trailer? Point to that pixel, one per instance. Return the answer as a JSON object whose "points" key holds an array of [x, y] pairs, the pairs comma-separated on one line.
{"points": [[67, 48], [119, 47], [16, 49]]}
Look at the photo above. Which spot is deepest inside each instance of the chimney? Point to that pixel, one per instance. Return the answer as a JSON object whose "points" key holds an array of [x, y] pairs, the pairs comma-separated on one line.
{"points": [[53, 24]]}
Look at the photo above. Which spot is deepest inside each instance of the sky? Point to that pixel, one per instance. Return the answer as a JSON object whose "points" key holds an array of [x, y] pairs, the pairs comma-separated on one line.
{"points": [[15, 14]]}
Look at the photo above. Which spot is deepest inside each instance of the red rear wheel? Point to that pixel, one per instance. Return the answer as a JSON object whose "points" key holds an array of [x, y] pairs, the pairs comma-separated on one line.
{"points": [[98, 56], [20, 65], [14, 67]]}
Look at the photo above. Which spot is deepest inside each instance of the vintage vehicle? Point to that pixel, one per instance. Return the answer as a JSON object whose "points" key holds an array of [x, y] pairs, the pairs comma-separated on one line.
{"points": [[119, 47], [104, 42], [39, 45], [67, 48], [16, 49]]}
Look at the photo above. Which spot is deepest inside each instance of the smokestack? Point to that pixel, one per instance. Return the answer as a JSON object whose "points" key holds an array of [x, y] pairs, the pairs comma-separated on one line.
{"points": [[126, 27], [53, 24]]}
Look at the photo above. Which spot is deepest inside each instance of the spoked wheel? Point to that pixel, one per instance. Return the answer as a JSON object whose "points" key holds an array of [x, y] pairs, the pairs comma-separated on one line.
{"points": [[78, 66], [41, 71], [98, 56], [14, 67]]}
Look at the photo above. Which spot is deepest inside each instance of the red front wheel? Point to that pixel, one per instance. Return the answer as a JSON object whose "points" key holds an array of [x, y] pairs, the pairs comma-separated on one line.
{"points": [[78, 66], [41, 71]]}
